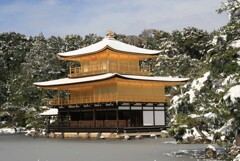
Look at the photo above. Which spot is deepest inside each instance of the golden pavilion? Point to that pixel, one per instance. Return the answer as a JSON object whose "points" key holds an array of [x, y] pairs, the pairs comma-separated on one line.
{"points": [[110, 89]]}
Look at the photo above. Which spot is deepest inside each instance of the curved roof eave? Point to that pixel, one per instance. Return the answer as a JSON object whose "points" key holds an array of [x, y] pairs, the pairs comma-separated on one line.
{"points": [[110, 43], [68, 81]]}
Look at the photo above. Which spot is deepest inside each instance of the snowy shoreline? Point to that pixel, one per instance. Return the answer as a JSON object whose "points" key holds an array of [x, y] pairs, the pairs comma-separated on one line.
{"points": [[21, 130]]}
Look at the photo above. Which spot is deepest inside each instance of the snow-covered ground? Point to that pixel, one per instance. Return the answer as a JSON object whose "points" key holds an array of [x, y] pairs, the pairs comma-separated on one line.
{"points": [[7, 131], [12, 130], [29, 132]]}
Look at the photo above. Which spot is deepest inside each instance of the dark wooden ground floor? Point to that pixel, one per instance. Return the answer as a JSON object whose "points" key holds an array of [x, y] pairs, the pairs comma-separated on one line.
{"points": [[110, 117]]}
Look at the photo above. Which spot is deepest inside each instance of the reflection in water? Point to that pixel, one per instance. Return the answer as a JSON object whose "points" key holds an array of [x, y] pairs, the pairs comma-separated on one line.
{"points": [[22, 148]]}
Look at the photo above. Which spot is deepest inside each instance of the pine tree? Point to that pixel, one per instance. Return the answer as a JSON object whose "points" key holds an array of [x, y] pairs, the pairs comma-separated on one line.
{"points": [[233, 9], [192, 42]]}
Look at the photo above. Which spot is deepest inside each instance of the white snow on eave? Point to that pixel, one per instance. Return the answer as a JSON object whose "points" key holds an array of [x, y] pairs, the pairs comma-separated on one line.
{"points": [[111, 43], [233, 93], [65, 81], [163, 79]]}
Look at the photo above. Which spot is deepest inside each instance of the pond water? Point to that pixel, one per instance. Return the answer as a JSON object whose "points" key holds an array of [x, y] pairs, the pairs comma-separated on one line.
{"points": [[22, 148]]}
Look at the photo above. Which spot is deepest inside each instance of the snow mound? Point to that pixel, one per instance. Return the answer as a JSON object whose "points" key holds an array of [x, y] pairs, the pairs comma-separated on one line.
{"points": [[7, 130], [211, 147]]}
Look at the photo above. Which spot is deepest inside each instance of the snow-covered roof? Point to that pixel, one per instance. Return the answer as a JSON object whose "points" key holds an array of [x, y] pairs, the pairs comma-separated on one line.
{"points": [[65, 81], [50, 112], [108, 42]]}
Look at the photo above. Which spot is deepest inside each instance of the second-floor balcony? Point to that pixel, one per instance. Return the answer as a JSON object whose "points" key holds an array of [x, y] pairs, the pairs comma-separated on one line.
{"points": [[100, 68], [107, 98]]}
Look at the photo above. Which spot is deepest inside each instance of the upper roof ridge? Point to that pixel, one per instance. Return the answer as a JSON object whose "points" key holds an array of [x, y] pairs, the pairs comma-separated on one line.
{"points": [[110, 35]]}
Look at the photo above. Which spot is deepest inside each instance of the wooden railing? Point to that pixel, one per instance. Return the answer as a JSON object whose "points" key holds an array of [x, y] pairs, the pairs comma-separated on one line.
{"points": [[106, 98], [90, 126], [99, 123], [111, 67]]}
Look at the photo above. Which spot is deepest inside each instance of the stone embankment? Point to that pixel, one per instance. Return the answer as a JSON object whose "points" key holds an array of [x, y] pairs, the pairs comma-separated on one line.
{"points": [[106, 135]]}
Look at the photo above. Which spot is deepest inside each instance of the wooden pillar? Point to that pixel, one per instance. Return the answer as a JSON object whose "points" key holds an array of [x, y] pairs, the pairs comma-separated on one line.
{"points": [[58, 101], [153, 109], [130, 115], [78, 124], [94, 117], [48, 123], [68, 118], [142, 115], [165, 117], [117, 119], [59, 118], [118, 68], [128, 66], [68, 97], [107, 64], [60, 121], [105, 116]]}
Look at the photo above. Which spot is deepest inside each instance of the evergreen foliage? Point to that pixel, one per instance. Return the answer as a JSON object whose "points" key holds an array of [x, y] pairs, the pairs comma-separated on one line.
{"points": [[189, 53]]}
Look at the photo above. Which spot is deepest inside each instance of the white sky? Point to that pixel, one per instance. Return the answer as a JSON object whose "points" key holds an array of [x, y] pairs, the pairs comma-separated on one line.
{"points": [[129, 17]]}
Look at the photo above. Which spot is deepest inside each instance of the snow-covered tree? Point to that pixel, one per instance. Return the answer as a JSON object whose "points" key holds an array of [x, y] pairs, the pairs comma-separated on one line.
{"points": [[192, 41], [13, 48], [232, 7], [72, 42], [153, 39], [91, 39]]}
